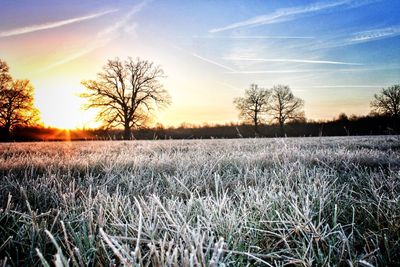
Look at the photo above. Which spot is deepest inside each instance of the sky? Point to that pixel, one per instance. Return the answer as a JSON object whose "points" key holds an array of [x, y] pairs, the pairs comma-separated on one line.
{"points": [[333, 54]]}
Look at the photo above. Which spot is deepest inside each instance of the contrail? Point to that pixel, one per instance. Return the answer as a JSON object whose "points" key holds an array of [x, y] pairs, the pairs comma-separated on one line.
{"points": [[201, 58], [360, 37], [280, 15], [346, 86], [300, 71], [52, 25], [213, 62], [269, 71], [295, 61], [375, 34], [244, 37], [102, 38], [288, 14], [230, 86]]}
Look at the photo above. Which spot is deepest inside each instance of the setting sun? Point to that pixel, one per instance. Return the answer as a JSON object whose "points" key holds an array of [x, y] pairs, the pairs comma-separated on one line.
{"points": [[66, 111]]}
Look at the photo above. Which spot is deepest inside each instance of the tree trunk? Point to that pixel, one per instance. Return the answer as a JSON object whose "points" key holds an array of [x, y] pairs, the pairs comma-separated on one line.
{"points": [[256, 132], [281, 129], [127, 132], [255, 119], [5, 134]]}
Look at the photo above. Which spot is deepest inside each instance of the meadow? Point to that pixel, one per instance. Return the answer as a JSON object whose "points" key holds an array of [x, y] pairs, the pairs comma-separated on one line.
{"points": [[329, 201]]}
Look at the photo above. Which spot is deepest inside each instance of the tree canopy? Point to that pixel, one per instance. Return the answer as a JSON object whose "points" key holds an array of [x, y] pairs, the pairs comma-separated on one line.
{"points": [[277, 104], [126, 93], [253, 107], [16, 102], [387, 102], [285, 106]]}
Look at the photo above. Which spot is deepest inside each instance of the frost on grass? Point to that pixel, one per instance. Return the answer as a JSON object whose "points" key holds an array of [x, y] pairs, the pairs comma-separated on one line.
{"points": [[263, 202]]}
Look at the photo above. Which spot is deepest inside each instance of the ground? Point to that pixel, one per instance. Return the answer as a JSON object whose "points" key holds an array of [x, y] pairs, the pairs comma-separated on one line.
{"points": [[263, 202]]}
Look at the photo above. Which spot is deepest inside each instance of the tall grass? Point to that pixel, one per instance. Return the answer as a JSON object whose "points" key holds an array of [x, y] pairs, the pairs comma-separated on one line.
{"points": [[253, 202]]}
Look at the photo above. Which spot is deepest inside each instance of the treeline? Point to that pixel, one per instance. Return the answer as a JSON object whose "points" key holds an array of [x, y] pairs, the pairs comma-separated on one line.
{"points": [[127, 92], [342, 126]]}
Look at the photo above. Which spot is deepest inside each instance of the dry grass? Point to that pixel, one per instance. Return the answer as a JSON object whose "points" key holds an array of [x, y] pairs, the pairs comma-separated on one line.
{"points": [[266, 202]]}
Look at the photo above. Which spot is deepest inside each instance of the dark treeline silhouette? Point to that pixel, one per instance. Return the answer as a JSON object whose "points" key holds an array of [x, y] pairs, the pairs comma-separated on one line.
{"points": [[342, 126], [368, 125]]}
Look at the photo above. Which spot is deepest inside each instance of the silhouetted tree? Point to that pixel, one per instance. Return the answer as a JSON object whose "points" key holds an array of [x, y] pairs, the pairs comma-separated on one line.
{"points": [[387, 102], [343, 117], [126, 93], [284, 106], [253, 106], [16, 102]]}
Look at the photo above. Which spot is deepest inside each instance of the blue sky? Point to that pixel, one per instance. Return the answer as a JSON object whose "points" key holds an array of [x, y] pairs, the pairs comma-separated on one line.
{"points": [[334, 54]]}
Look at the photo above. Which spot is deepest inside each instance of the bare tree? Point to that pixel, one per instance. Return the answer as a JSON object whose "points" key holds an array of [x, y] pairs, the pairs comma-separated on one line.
{"points": [[5, 77], [16, 102], [284, 106], [387, 102], [126, 93], [253, 106]]}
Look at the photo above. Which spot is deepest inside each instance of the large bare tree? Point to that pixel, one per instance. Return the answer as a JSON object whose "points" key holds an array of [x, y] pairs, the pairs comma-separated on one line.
{"points": [[387, 102], [284, 106], [16, 102], [253, 106], [126, 93]]}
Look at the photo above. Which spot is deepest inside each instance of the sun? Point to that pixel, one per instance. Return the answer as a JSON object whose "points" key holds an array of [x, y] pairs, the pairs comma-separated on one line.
{"points": [[63, 110]]}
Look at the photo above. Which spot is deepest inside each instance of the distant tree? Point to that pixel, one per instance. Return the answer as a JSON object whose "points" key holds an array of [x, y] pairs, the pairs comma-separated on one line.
{"points": [[387, 102], [343, 117], [253, 106], [16, 102], [126, 93], [5, 77], [285, 107]]}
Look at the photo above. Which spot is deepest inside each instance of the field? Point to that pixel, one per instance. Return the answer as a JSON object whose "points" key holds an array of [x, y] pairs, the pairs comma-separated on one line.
{"points": [[243, 202]]}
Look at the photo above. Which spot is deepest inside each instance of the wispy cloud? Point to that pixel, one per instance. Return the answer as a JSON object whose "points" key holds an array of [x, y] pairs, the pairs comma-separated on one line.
{"points": [[288, 14], [103, 37], [89, 48], [345, 86], [244, 37], [295, 61], [305, 71], [213, 62], [375, 34], [358, 38], [52, 25], [230, 86], [270, 71], [210, 61]]}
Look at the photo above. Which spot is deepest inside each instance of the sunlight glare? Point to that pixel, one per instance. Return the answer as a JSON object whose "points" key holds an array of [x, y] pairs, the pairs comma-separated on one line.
{"points": [[62, 108]]}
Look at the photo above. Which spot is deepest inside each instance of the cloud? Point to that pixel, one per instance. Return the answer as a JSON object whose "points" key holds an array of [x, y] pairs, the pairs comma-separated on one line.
{"points": [[288, 14], [244, 37], [213, 62], [230, 86], [269, 71], [89, 48], [103, 37], [375, 34], [295, 61], [359, 37], [346, 86], [303, 71], [52, 25]]}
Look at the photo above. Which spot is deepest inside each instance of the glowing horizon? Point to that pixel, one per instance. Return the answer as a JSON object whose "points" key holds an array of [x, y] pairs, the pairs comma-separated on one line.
{"points": [[334, 54]]}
